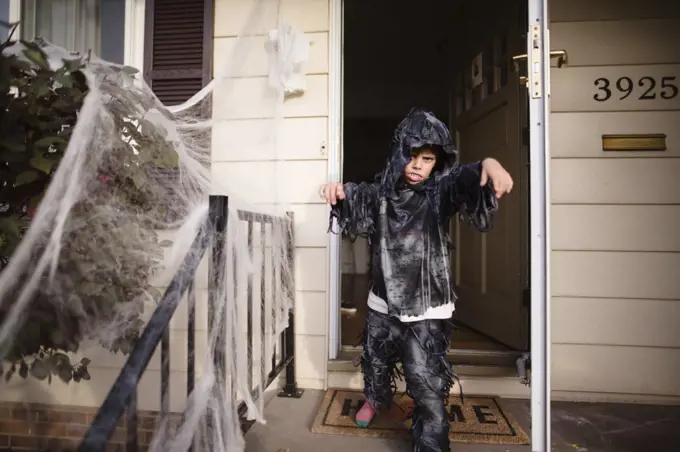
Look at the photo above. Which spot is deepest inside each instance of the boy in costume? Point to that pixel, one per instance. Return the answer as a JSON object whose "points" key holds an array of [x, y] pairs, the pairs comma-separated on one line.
{"points": [[405, 214]]}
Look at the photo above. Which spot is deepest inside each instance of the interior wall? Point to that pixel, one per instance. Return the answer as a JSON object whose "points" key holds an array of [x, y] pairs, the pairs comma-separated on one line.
{"points": [[395, 58]]}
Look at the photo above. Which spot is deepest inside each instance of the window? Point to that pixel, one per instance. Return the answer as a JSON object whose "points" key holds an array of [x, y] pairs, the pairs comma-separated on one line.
{"points": [[78, 25]]}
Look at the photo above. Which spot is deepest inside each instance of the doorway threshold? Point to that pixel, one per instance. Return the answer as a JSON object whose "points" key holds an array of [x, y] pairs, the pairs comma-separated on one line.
{"points": [[482, 363]]}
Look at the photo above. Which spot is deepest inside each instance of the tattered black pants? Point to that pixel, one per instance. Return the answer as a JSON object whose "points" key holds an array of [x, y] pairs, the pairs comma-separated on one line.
{"points": [[421, 347]]}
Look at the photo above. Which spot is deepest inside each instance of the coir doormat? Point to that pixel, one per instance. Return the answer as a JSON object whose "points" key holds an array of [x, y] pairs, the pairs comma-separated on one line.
{"points": [[480, 420]]}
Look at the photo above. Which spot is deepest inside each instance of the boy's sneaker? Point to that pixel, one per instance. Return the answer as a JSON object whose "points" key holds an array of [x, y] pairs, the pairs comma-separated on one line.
{"points": [[365, 415], [348, 308]]}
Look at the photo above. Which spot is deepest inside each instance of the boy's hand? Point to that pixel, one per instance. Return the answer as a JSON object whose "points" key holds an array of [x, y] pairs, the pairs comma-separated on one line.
{"points": [[501, 179], [332, 192]]}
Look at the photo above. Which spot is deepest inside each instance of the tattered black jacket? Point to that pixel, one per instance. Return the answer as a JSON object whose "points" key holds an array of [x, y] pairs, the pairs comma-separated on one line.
{"points": [[407, 225]]}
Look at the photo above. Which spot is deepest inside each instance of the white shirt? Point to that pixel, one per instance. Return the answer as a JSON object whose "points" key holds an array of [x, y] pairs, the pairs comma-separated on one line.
{"points": [[444, 311]]}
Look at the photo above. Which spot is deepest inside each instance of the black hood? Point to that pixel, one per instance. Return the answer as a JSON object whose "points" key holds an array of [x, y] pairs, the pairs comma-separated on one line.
{"points": [[418, 129]]}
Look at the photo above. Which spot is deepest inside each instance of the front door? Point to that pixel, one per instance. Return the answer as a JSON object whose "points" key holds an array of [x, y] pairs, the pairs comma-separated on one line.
{"points": [[489, 115]]}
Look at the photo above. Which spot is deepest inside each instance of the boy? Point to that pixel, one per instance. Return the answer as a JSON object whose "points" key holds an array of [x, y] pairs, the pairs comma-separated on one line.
{"points": [[405, 214]]}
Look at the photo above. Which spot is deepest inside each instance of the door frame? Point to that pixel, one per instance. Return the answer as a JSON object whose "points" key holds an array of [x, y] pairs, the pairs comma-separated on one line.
{"points": [[539, 177], [538, 57]]}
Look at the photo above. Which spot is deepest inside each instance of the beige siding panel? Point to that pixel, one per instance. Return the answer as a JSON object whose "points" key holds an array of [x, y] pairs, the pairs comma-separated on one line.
{"points": [[604, 43], [615, 274], [573, 88], [312, 383], [615, 246], [302, 180], [272, 182], [181, 317], [257, 60], [615, 228], [102, 358], [311, 269], [186, 237], [596, 10], [311, 313], [231, 16], [580, 134], [248, 98], [615, 181], [92, 393], [607, 369], [612, 321], [253, 140], [311, 224], [311, 356]]}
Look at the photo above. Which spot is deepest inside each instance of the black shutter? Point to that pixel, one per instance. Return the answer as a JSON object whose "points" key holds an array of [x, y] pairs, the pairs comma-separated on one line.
{"points": [[178, 47]]}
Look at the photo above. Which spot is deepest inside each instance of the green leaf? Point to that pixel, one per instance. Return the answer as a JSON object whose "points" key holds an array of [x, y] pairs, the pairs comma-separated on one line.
{"points": [[73, 65], [41, 90], [12, 157], [49, 141], [43, 164], [167, 160], [40, 369], [62, 104], [26, 178], [23, 369], [13, 147], [35, 201], [65, 374], [10, 372], [89, 288], [37, 57], [139, 179], [166, 243], [84, 374], [65, 80], [10, 226], [129, 70]]}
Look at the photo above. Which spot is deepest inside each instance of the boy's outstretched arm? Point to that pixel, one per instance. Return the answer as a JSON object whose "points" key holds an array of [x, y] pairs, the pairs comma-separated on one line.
{"points": [[353, 205], [474, 190]]}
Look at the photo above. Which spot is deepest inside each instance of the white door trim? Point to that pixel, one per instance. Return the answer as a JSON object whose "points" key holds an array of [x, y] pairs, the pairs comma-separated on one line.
{"points": [[15, 15], [134, 34], [335, 120]]}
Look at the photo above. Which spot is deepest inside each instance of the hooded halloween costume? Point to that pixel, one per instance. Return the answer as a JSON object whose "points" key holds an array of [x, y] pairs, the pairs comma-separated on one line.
{"points": [[407, 228]]}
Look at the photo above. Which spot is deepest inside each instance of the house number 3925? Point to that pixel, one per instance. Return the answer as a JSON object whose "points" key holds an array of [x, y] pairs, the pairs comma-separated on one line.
{"points": [[644, 88]]}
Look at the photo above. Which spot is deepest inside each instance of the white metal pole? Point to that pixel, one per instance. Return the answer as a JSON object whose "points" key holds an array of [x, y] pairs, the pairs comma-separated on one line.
{"points": [[538, 52]]}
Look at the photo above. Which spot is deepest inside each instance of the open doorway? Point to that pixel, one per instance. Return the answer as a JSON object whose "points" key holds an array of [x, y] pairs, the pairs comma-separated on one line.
{"points": [[454, 58]]}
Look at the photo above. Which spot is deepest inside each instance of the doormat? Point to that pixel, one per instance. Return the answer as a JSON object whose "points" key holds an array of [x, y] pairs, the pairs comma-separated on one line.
{"points": [[480, 420]]}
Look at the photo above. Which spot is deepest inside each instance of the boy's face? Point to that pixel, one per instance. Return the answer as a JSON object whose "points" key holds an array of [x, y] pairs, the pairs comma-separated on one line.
{"points": [[421, 165]]}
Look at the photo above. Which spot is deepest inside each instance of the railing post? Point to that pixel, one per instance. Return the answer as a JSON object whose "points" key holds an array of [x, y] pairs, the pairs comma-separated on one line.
{"points": [[290, 389], [218, 215], [132, 425], [191, 348]]}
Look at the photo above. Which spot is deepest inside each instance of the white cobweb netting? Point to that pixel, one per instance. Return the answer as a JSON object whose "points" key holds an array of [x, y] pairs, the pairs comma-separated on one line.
{"points": [[115, 224]]}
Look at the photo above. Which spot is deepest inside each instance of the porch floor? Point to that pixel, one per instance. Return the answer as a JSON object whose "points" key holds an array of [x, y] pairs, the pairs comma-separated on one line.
{"points": [[577, 427]]}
